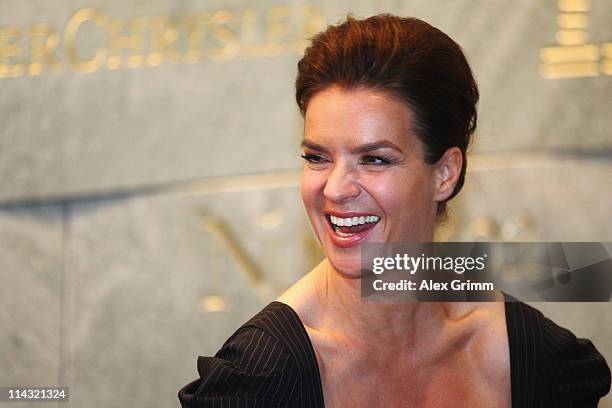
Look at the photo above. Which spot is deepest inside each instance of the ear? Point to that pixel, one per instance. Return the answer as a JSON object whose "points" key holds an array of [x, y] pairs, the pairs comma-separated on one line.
{"points": [[446, 173]]}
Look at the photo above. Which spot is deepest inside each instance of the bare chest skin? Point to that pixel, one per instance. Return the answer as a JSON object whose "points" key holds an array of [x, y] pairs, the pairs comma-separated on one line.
{"points": [[467, 365], [470, 372]]}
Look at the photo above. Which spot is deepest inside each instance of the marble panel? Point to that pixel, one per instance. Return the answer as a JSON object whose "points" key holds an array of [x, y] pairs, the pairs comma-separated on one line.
{"points": [[111, 129], [30, 298], [566, 200], [72, 133], [157, 281]]}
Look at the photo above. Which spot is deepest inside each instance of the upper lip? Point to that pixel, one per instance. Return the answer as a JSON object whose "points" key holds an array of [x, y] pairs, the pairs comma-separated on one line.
{"points": [[348, 214]]}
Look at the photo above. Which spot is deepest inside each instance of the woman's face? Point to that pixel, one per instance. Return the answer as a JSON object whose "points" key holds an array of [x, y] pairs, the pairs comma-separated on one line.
{"points": [[364, 177]]}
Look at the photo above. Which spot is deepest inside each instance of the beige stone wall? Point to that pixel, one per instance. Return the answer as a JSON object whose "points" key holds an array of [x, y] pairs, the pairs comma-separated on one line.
{"points": [[149, 158]]}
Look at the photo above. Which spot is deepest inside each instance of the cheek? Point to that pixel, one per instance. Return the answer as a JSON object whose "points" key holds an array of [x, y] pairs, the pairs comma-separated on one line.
{"points": [[310, 187], [385, 192], [403, 195]]}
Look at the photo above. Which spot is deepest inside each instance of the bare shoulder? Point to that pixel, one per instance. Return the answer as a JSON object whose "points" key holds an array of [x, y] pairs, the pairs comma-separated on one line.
{"points": [[301, 297]]}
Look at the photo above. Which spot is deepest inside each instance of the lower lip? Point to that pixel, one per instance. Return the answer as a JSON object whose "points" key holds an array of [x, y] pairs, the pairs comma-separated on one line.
{"points": [[345, 242]]}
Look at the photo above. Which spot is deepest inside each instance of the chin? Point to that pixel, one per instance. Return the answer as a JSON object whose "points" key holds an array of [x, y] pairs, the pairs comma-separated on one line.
{"points": [[347, 265]]}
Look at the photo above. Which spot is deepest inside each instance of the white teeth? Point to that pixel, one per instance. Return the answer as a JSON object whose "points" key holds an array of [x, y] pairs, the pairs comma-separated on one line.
{"points": [[348, 222]]}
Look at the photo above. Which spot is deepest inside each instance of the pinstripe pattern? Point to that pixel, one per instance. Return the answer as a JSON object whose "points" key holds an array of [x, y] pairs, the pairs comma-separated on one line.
{"points": [[549, 366], [524, 340], [270, 362]]}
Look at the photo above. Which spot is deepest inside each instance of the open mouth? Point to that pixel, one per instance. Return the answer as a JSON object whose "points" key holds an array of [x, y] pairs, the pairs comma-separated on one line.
{"points": [[350, 226]]}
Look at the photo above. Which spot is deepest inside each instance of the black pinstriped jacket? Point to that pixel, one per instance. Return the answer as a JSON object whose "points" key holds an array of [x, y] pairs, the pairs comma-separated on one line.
{"points": [[270, 362]]}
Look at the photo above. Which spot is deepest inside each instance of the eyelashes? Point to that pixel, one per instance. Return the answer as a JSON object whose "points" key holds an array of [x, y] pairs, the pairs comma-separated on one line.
{"points": [[375, 161], [313, 158], [368, 160]]}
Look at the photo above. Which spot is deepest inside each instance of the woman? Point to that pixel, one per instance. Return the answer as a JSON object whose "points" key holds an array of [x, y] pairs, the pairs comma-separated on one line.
{"points": [[389, 108]]}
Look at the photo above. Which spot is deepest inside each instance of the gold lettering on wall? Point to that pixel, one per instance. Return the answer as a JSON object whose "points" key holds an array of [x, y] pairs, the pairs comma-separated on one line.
{"points": [[10, 51], [574, 56], [43, 41], [92, 40], [277, 29], [227, 44], [126, 36], [195, 28], [249, 30], [311, 22], [164, 36], [221, 232], [79, 64], [606, 63]]}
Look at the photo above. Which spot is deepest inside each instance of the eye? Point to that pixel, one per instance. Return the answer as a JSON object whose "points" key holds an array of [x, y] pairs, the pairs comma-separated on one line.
{"points": [[313, 158], [374, 160]]}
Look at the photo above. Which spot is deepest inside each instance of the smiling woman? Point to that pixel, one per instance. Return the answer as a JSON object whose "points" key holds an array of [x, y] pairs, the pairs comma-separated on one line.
{"points": [[363, 159], [389, 107]]}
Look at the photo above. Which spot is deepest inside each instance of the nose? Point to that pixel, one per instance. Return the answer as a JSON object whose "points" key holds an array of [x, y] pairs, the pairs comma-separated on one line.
{"points": [[341, 185]]}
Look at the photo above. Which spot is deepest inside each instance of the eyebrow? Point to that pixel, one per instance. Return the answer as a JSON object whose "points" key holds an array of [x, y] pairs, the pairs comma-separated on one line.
{"points": [[367, 147]]}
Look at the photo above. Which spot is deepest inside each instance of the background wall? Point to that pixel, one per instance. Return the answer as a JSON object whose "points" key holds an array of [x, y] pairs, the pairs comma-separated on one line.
{"points": [[149, 158]]}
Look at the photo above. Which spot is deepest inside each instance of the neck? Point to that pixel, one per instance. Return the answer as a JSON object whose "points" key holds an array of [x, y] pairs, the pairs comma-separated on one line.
{"points": [[343, 311]]}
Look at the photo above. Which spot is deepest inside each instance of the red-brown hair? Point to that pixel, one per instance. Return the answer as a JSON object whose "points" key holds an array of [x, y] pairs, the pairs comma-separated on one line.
{"points": [[408, 59]]}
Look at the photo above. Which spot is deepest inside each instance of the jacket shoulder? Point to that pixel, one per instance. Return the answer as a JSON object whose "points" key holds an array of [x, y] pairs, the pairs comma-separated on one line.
{"points": [[573, 367], [252, 368], [550, 366]]}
